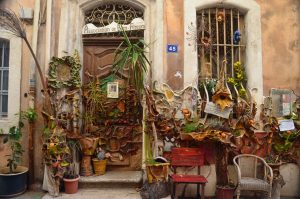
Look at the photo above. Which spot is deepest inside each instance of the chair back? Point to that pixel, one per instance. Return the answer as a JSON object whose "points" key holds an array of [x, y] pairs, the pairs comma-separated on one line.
{"points": [[250, 165], [182, 157]]}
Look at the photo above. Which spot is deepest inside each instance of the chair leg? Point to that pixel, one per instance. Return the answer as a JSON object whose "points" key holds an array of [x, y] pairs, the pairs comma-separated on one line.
{"points": [[173, 191], [198, 191], [202, 191], [270, 195], [238, 193]]}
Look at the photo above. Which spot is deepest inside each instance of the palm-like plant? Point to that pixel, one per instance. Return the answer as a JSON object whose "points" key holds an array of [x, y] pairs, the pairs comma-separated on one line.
{"points": [[132, 56], [11, 22]]}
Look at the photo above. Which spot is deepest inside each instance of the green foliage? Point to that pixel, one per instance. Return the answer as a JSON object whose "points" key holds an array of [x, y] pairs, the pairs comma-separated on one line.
{"points": [[74, 66], [286, 142], [14, 136], [239, 78], [132, 54], [30, 115], [191, 127]]}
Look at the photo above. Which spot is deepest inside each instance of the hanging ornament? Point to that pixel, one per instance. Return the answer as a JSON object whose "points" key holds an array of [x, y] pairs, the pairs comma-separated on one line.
{"points": [[220, 16], [237, 37], [205, 39]]}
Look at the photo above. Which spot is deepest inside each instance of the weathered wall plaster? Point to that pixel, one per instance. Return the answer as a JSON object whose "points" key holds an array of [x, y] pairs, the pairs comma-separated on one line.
{"points": [[281, 44]]}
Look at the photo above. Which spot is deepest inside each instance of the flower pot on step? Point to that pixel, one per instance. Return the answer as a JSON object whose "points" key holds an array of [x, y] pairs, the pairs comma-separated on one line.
{"points": [[71, 185], [99, 166]]}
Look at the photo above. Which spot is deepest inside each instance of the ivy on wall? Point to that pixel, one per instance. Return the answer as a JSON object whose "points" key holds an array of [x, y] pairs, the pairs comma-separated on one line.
{"points": [[64, 72]]}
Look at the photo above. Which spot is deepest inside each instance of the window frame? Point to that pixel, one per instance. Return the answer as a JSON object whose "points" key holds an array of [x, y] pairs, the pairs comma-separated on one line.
{"points": [[14, 80], [4, 92], [253, 57]]}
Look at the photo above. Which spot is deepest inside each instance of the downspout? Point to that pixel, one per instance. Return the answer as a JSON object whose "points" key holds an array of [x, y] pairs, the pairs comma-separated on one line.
{"points": [[35, 32], [32, 84], [48, 34]]}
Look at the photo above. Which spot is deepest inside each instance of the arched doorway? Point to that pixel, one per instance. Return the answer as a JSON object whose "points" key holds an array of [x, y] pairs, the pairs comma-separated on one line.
{"points": [[114, 114]]}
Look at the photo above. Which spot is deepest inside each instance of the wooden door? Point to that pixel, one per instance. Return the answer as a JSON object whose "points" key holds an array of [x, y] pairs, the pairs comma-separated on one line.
{"points": [[119, 123]]}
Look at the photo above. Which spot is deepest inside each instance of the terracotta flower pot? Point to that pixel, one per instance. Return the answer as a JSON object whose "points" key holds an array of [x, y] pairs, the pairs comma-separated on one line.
{"points": [[71, 185], [225, 192]]}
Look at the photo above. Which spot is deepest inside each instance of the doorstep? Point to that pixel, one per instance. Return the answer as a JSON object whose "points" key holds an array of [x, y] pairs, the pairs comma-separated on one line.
{"points": [[113, 179], [100, 193]]}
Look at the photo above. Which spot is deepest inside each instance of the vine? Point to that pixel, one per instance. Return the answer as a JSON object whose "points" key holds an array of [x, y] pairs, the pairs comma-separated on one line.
{"points": [[70, 73]]}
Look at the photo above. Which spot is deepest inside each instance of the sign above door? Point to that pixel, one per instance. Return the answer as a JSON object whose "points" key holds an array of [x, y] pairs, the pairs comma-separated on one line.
{"points": [[136, 24]]}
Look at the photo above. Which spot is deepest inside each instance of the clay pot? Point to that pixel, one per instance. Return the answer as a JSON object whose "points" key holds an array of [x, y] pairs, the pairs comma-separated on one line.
{"points": [[71, 185], [225, 192]]}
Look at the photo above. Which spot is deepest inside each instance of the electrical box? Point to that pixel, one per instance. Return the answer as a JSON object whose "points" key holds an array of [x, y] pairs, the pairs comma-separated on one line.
{"points": [[26, 14]]}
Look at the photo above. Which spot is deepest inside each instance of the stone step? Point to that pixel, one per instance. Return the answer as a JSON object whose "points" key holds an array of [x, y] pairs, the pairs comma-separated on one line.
{"points": [[100, 193], [113, 179]]}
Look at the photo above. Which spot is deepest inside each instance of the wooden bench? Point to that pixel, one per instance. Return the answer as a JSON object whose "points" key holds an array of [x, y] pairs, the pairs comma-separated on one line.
{"points": [[187, 157]]}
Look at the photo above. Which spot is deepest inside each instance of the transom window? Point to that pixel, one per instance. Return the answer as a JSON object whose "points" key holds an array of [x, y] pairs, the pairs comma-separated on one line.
{"points": [[117, 12], [220, 36], [4, 76]]}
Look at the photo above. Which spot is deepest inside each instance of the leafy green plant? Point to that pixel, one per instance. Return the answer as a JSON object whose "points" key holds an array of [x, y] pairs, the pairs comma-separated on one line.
{"points": [[14, 136], [30, 115], [239, 78], [132, 55], [286, 142], [191, 127]]}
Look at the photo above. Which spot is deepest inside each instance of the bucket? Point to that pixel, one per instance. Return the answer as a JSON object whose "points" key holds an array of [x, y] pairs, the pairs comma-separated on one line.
{"points": [[85, 167], [99, 166]]}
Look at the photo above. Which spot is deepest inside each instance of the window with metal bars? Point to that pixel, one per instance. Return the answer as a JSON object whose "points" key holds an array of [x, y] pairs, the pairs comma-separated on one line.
{"points": [[4, 76], [220, 34]]}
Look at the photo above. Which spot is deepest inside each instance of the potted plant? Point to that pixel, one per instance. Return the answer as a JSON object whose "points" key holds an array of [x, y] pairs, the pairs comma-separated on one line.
{"points": [[13, 178], [100, 161], [71, 179]]}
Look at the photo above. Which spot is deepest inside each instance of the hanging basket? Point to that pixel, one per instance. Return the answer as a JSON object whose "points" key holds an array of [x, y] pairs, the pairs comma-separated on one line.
{"points": [[157, 172]]}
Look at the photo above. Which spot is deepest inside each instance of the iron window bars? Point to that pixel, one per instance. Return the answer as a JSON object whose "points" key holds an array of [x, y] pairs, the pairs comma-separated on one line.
{"points": [[220, 36]]}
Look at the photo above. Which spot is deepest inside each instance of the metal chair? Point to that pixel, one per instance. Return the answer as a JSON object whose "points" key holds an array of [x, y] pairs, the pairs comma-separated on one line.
{"points": [[254, 174]]}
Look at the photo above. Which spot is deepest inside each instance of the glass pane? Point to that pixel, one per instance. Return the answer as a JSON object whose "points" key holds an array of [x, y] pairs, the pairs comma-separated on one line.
{"points": [[6, 55], [5, 80], [4, 104]]}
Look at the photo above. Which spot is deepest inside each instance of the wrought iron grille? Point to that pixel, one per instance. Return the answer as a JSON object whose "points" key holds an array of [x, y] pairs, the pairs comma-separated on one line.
{"points": [[112, 12], [220, 36], [4, 75]]}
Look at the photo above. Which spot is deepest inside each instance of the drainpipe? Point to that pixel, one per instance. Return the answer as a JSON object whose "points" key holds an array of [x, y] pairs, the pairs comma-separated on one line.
{"points": [[48, 34], [32, 84], [35, 32]]}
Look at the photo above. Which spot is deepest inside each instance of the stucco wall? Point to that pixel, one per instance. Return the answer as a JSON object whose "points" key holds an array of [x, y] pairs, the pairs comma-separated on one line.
{"points": [[281, 47]]}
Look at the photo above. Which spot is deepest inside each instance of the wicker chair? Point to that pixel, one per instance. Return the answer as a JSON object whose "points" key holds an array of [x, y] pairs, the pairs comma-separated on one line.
{"points": [[254, 174]]}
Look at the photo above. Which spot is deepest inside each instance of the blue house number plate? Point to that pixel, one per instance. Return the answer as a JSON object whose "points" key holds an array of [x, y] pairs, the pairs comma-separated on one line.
{"points": [[171, 48]]}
